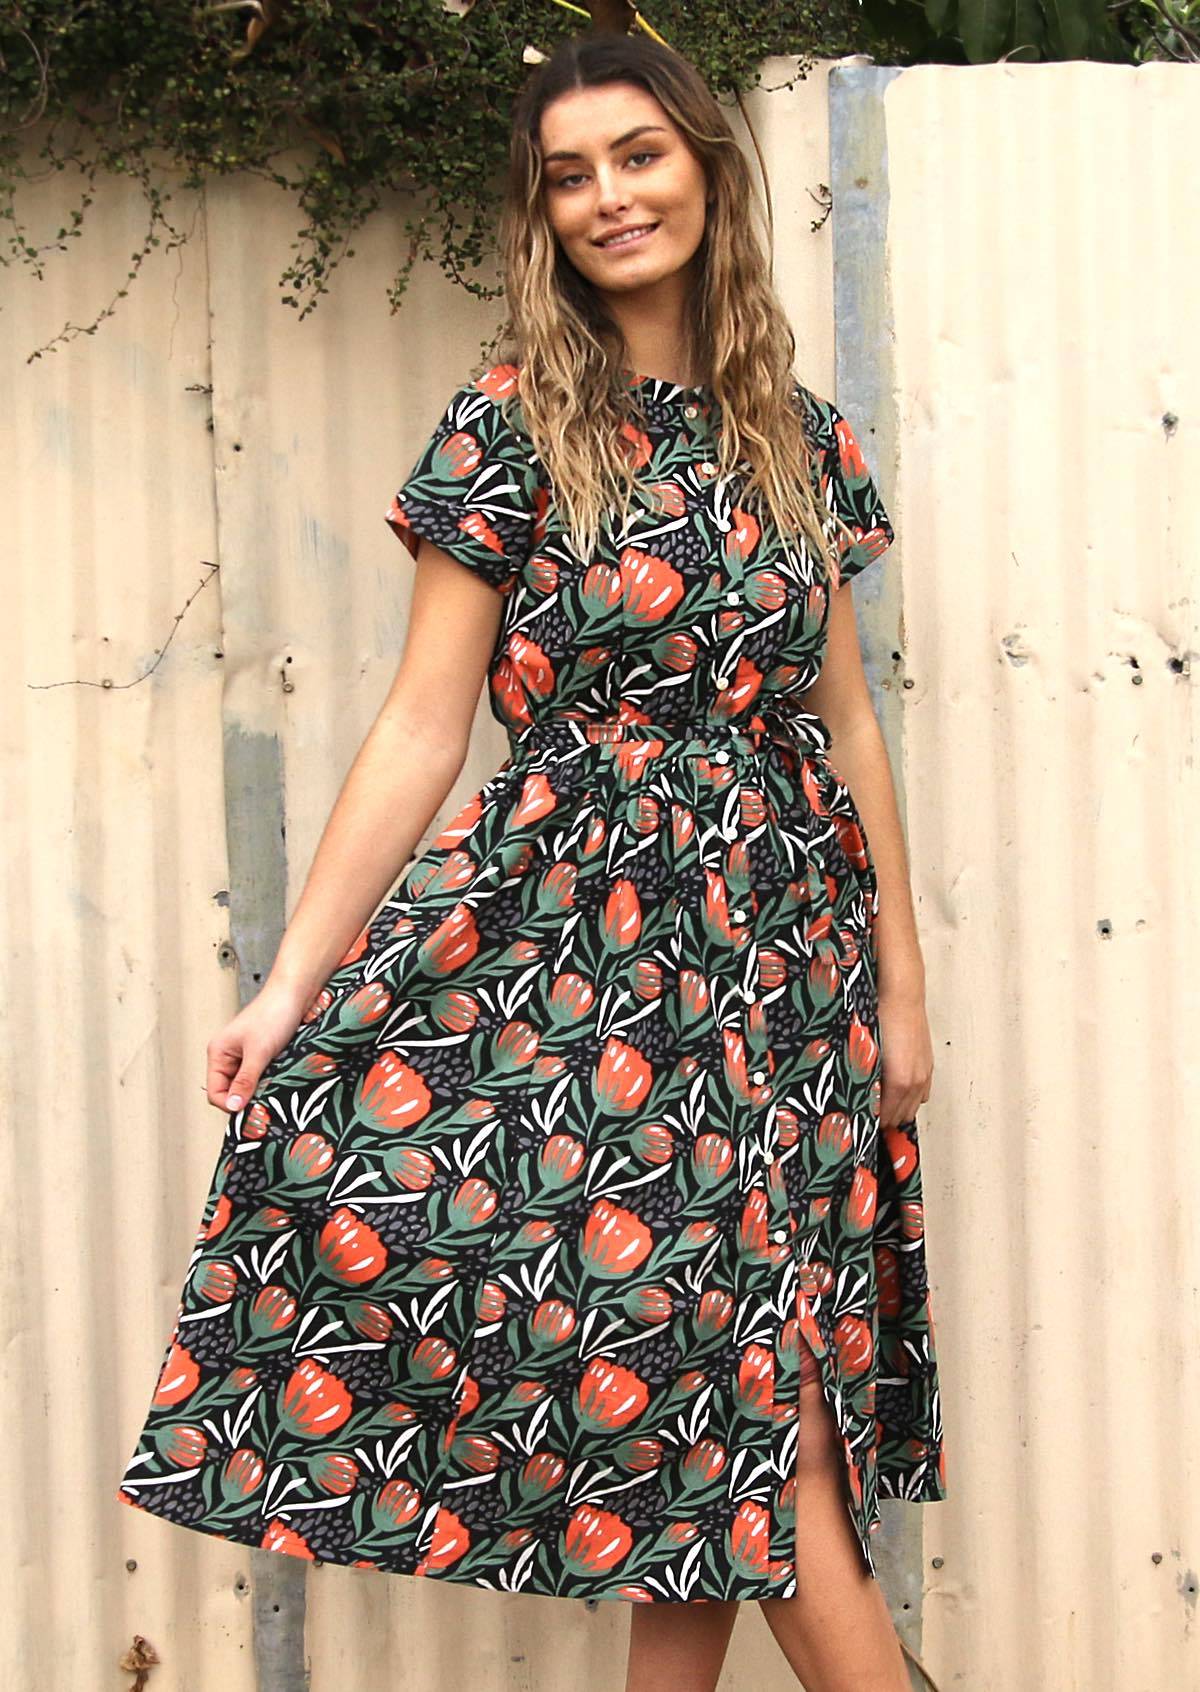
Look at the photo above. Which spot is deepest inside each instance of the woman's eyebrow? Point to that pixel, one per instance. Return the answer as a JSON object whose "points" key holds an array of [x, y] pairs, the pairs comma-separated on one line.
{"points": [[642, 129]]}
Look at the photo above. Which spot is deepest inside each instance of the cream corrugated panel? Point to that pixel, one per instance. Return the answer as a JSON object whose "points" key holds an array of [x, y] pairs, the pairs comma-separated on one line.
{"points": [[114, 917], [1044, 241]]}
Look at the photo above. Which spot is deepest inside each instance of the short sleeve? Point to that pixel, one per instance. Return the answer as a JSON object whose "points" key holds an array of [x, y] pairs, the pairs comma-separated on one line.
{"points": [[849, 489], [474, 489]]}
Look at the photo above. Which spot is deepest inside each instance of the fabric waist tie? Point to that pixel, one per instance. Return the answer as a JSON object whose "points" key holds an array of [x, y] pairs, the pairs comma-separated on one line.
{"points": [[801, 732]]}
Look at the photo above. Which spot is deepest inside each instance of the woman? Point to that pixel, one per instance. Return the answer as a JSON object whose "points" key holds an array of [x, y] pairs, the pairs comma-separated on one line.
{"points": [[566, 1237]]}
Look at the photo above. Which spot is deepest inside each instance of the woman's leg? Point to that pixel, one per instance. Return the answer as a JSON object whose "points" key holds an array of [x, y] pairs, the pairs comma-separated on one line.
{"points": [[678, 1647], [836, 1633]]}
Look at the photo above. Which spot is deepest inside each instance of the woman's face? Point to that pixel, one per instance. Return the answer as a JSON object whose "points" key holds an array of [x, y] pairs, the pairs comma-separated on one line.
{"points": [[613, 160]]}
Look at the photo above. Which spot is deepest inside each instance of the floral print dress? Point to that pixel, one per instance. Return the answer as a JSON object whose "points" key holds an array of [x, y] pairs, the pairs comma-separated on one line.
{"points": [[509, 1270]]}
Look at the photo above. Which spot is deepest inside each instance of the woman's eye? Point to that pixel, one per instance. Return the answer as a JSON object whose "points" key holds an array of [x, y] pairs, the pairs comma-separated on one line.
{"points": [[576, 176]]}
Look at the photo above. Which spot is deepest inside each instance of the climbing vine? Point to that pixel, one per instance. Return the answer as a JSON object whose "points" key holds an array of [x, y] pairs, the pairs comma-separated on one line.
{"points": [[344, 105]]}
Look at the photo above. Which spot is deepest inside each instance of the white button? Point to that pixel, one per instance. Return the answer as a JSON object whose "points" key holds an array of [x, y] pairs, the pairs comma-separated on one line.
{"points": [[738, 915], [721, 681], [689, 411], [708, 469], [730, 834], [780, 1235], [758, 1076], [721, 757], [733, 597], [768, 1158], [748, 995]]}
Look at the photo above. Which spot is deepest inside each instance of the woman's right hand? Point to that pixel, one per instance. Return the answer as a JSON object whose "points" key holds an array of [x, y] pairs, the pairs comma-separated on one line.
{"points": [[241, 1051]]}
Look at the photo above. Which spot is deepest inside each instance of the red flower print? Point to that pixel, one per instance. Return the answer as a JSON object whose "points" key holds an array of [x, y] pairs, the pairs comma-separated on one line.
{"points": [[179, 1376], [392, 1095], [541, 1474], [222, 1211], [432, 1359], [479, 1456], [243, 1473], [712, 1158], [349, 1250], [183, 1446], [862, 1049], [852, 1338], [649, 1304], [562, 1160], [850, 839], [215, 1282], [704, 1462], [500, 382], [693, 994], [473, 1203], [450, 1541], [741, 693], [313, 1403], [280, 1537], [411, 1168], [615, 1241], [537, 800], [652, 1143], [743, 535], [714, 1312], [652, 588], [571, 997], [395, 1505], [622, 919], [514, 1047], [756, 1381], [595, 1540], [318, 1006], [672, 497], [557, 891], [334, 1472], [491, 1303], [308, 1157], [256, 1122], [750, 1537], [901, 1151], [639, 451], [552, 1323], [858, 1212], [366, 1006], [835, 1137], [752, 1230], [452, 945], [609, 1396], [639, 1456], [460, 826], [622, 1078], [824, 980], [372, 1321], [912, 1219], [273, 1311]]}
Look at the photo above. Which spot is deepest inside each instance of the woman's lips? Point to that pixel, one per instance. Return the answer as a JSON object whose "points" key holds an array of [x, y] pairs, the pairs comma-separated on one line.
{"points": [[629, 241]]}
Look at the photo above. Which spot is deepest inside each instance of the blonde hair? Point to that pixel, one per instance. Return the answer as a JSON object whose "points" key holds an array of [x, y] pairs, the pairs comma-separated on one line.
{"points": [[576, 407]]}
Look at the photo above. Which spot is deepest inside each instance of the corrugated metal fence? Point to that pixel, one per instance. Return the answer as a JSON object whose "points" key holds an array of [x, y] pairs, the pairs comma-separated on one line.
{"points": [[1009, 266]]}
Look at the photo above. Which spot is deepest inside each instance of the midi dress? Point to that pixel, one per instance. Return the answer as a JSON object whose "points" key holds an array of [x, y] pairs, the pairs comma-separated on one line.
{"points": [[511, 1268]]}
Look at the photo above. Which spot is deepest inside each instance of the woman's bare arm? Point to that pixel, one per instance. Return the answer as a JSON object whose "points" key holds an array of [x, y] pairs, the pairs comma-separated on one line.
{"points": [[399, 779]]}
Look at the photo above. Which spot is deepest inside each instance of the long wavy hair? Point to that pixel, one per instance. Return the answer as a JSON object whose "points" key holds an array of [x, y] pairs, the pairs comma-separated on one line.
{"points": [[579, 411]]}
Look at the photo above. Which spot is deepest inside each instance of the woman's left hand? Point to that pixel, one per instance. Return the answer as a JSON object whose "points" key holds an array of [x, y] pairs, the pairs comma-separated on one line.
{"points": [[907, 1056]]}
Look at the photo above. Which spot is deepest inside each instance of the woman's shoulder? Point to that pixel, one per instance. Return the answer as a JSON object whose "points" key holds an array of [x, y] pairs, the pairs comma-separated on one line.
{"points": [[498, 383], [818, 413]]}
